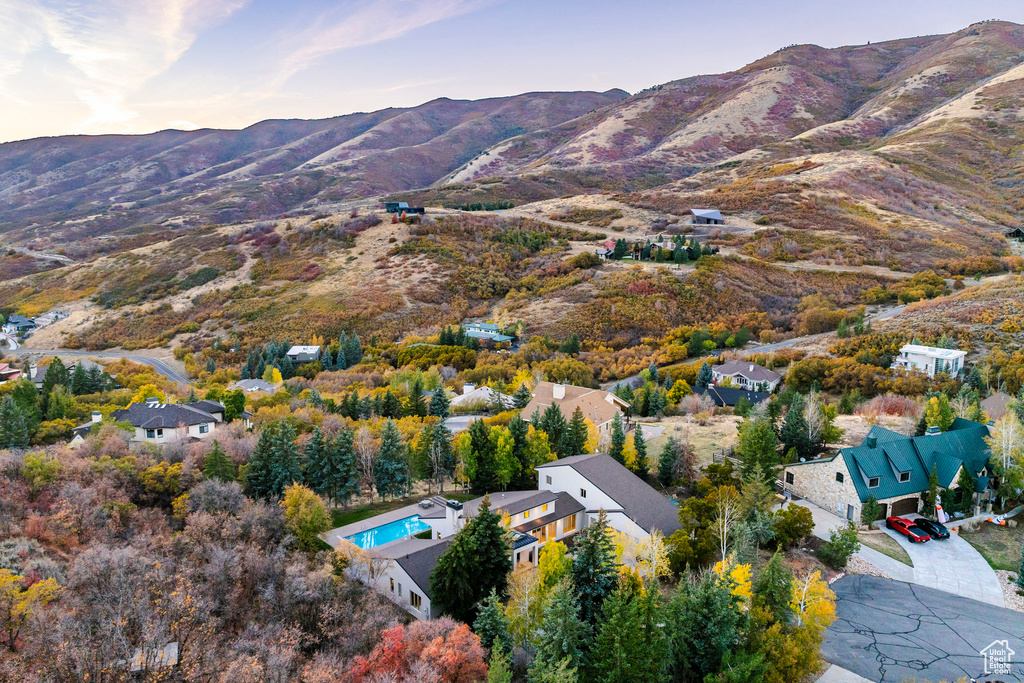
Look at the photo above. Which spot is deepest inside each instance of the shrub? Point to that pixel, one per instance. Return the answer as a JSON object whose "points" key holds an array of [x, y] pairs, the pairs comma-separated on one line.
{"points": [[792, 525], [870, 511], [891, 404], [842, 543]]}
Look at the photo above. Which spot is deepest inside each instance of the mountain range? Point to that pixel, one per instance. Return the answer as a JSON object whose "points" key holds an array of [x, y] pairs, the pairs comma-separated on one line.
{"points": [[924, 133]]}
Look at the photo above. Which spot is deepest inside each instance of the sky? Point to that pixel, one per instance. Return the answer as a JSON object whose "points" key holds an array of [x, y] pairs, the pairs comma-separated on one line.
{"points": [[137, 66]]}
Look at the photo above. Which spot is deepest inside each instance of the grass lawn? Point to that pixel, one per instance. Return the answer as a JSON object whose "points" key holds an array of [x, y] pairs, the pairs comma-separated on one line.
{"points": [[886, 545], [1000, 545], [343, 517]]}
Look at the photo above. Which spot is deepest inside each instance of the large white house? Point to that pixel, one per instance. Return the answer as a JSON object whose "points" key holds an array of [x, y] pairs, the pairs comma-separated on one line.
{"points": [[743, 374], [399, 549], [930, 360]]}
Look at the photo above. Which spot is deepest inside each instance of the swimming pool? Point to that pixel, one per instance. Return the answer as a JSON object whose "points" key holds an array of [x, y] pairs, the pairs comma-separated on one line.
{"points": [[392, 531]]}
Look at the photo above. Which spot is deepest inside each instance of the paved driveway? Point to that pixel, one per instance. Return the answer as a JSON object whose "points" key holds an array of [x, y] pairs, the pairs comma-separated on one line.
{"points": [[889, 631], [953, 566]]}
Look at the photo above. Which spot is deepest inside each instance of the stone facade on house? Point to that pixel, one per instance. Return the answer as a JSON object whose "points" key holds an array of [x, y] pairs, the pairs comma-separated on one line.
{"points": [[817, 482]]}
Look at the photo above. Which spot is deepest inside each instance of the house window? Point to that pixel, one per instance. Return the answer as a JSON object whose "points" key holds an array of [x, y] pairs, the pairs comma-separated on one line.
{"points": [[159, 433], [519, 558], [789, 477], [204, 429], [873, 483], [150, 433], [547, 478], [583, 493], [399, 590], [904, 476], [392, 584], [526, 514], [569, 524], [552, 529], [415, 600], [839, 477], [544, 507]]}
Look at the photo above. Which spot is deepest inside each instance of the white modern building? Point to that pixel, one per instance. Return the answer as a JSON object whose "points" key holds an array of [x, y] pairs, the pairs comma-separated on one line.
{"points": [[396, 552], [303, 354], [930, 360]]}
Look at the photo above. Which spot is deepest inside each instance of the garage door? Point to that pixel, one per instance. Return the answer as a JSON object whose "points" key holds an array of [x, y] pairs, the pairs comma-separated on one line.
{"points": [[907, 506]]}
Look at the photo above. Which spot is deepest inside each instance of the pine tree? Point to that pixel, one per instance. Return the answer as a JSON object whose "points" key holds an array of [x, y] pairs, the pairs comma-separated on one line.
{"points": [[216, 464], [593, 568], [439, 404], [451, 581], [578, 432], [525, 476], [773, 589], [211, 365], [415, 406], [565, 633], [391, 469], [653, 370], [344, 467], [499, 669], [667, 462], [343, 361], [261, 368], [13, 424], [628, 646], [758, 447], [318, 465], [794, 432], [554, 425], [391, 407], [704, 376], [522, 397], [354, 352], [494, 550], [640, 467], [618, 440], [258, 478], [286, 467], [79, 381], [491, 625], [56, 376]]}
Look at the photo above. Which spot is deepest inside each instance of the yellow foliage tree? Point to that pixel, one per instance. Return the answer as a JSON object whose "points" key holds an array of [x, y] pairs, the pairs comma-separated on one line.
{"points": [[678, 391], [305, 514], [272, 375], [814, 603], [593, 436], [18, 604], [738, 577], [645, 559], [148, 391], [554, 563]]}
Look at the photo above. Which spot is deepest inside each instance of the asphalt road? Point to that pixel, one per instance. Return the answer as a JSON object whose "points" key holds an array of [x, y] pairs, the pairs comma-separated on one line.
{"points": [[155, 363], [889, 631]]}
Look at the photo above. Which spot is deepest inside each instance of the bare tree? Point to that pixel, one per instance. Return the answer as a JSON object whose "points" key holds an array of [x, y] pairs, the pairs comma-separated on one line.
{"points": [[815, 417], [366, 450], [436, 454], [727, 504]]}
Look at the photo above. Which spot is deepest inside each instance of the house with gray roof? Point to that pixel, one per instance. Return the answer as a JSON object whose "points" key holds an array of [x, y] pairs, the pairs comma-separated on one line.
{"points": [[893, 469], [162, 423], [706, 217], [251, 386], [743, 374]]}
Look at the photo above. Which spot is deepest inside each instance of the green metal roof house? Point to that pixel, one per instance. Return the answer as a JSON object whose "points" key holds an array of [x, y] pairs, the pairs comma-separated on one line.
{"points": [[893, 468]]}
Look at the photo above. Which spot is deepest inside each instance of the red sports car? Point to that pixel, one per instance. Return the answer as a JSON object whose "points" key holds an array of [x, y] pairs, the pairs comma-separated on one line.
{"points": [[907, 527]]}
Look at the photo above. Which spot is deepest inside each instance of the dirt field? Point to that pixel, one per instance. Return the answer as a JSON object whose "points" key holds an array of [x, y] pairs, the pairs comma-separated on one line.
{"points": [[718, 432]]}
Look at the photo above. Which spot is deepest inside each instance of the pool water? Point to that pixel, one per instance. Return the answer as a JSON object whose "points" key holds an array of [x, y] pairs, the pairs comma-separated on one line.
{"points": [[392, 531]]}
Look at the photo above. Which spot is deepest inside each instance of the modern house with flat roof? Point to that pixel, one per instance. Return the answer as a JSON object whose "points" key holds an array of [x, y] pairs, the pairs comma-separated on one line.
{"points": [[930, 359], [706, 217], [303, 354], [893, 468], [486, 331], [398, 550]]}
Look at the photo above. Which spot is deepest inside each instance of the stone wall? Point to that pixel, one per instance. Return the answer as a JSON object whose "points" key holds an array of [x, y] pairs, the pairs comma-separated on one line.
{"points": [[816, 481]]}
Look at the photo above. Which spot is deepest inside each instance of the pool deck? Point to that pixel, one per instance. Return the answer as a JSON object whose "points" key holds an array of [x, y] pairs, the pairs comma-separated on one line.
{"points": [[334, 537]]}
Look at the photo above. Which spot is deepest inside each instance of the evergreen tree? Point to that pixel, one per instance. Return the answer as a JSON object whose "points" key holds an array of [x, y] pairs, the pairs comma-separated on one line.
{"points": [[416, 406], [261, 367], [667, 462], [475, 564], [439, 404], [391, 407], [704, 376], [640, 467], [286, 468], [571, 346], [758, 447], [234, 405], [593, 568], [391, 469], [60, 403], [522, 397], [211, 365], [618, 440], [565, 633], [343, 361], [27, 399], [705, 620], [554, 425], [499, 669], [258, 478], [56, 376], [354, 352], [491, 625], [485, 473], [343, 472], [653, 370], [628, 646], [1020, 571], [773, 589], [14, 432], [286, 368], [578, 433], [216, 464], [79, 381], [318, 465], [525, 475], [794, 431]]}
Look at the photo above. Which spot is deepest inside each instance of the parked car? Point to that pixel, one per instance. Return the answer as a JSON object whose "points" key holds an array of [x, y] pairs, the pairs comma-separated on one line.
{"points": [[907, 527], [933, 529]]}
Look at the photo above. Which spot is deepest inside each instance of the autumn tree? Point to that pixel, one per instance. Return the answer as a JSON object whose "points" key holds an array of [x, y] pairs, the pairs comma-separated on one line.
{"points": [[305, 514], [773, 589], [938, 412], [1006, 442], [18, 604]]}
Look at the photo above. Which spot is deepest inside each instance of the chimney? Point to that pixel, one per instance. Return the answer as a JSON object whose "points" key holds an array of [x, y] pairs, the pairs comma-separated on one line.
{"points": [[558, 392], [871, 442], [453, 512], [932, 431], [97, 416], [468, 387], [751, 368]]}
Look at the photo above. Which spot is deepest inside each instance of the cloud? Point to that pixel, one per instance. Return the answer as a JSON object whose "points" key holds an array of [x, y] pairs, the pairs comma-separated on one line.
{"points": [[363, 23], [106, 50]]}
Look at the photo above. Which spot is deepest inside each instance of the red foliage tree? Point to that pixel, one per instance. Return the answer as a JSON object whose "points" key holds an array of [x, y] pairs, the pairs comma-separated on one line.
{"points": [[445, 647]]}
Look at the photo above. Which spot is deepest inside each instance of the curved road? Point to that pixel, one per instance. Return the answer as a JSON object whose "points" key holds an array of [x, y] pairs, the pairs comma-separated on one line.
{"points": [[155, 363]]}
